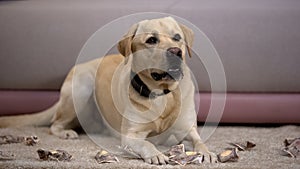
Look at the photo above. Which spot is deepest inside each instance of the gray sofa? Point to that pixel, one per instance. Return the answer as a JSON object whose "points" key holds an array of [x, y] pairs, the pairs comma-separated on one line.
{"points": [[257, 41]]}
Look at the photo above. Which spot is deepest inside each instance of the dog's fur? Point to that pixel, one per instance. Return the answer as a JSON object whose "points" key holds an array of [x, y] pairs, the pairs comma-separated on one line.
{"points": [[108, 83]]}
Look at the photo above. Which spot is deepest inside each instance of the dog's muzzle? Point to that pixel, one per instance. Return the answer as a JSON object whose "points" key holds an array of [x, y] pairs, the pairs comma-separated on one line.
{"points": [[174, 71], [171, 74]]}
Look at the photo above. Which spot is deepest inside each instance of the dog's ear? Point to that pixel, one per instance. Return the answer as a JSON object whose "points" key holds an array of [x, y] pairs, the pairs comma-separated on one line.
{"points": [[124, 45], [188, 37]]}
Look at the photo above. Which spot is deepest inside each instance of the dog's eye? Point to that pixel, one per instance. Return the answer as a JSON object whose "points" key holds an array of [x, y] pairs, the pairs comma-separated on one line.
{"points": [[152, 40], [177, 37]]}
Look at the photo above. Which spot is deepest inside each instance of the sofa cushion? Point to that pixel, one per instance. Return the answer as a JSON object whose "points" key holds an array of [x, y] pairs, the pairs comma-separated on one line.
{"points": [[258, 41]]}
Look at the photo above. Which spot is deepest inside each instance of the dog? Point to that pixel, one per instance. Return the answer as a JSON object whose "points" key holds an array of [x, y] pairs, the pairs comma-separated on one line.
{"points": [[144, 93]]}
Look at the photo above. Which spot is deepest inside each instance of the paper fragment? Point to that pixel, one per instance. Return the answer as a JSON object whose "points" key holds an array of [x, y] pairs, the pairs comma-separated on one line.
{"points": [[228, 156], [54, 155], [105, 157]]}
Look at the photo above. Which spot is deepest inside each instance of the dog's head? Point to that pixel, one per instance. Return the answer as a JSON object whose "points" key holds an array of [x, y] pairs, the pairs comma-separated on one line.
{"points": [[158, 48]]}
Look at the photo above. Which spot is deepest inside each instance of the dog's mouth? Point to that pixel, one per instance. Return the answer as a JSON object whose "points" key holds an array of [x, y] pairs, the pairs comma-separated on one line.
{"points": [[172, 74]]}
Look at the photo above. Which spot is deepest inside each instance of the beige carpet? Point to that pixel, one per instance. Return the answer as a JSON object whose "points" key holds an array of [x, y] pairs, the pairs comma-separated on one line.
{"points": [[265, 155]]}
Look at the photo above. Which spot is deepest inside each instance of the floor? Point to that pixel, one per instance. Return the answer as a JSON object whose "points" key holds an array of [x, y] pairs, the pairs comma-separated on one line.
{"points": [[266, 154]]}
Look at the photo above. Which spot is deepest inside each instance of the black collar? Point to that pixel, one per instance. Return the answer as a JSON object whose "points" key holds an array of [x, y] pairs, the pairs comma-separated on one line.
{"points": [[142, 88]]}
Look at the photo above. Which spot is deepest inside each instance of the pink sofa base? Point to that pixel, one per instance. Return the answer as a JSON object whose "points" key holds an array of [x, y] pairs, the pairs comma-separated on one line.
{"points": [[24, 102], [255, 108], [239, 107]]}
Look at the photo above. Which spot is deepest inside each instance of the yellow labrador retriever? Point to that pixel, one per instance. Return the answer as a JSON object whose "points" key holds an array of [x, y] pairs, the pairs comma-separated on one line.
{"points": [[145, 93]]}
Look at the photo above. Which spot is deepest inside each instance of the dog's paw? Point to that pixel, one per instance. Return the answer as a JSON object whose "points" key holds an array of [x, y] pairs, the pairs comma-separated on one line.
{"points": [[68, 134], [210, 157], [157, 159]]}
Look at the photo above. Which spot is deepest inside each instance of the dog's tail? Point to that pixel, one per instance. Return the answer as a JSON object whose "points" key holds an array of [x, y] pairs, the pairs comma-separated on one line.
{"points": [[42, 118]]}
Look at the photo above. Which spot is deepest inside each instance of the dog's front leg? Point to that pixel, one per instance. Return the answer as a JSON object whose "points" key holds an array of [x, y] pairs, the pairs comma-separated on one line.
{"points": [[199, 146], [138, 143]]}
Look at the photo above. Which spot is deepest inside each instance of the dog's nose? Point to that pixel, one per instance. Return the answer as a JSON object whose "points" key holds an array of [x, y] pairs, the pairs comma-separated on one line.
{"points": [[175, 51]]}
